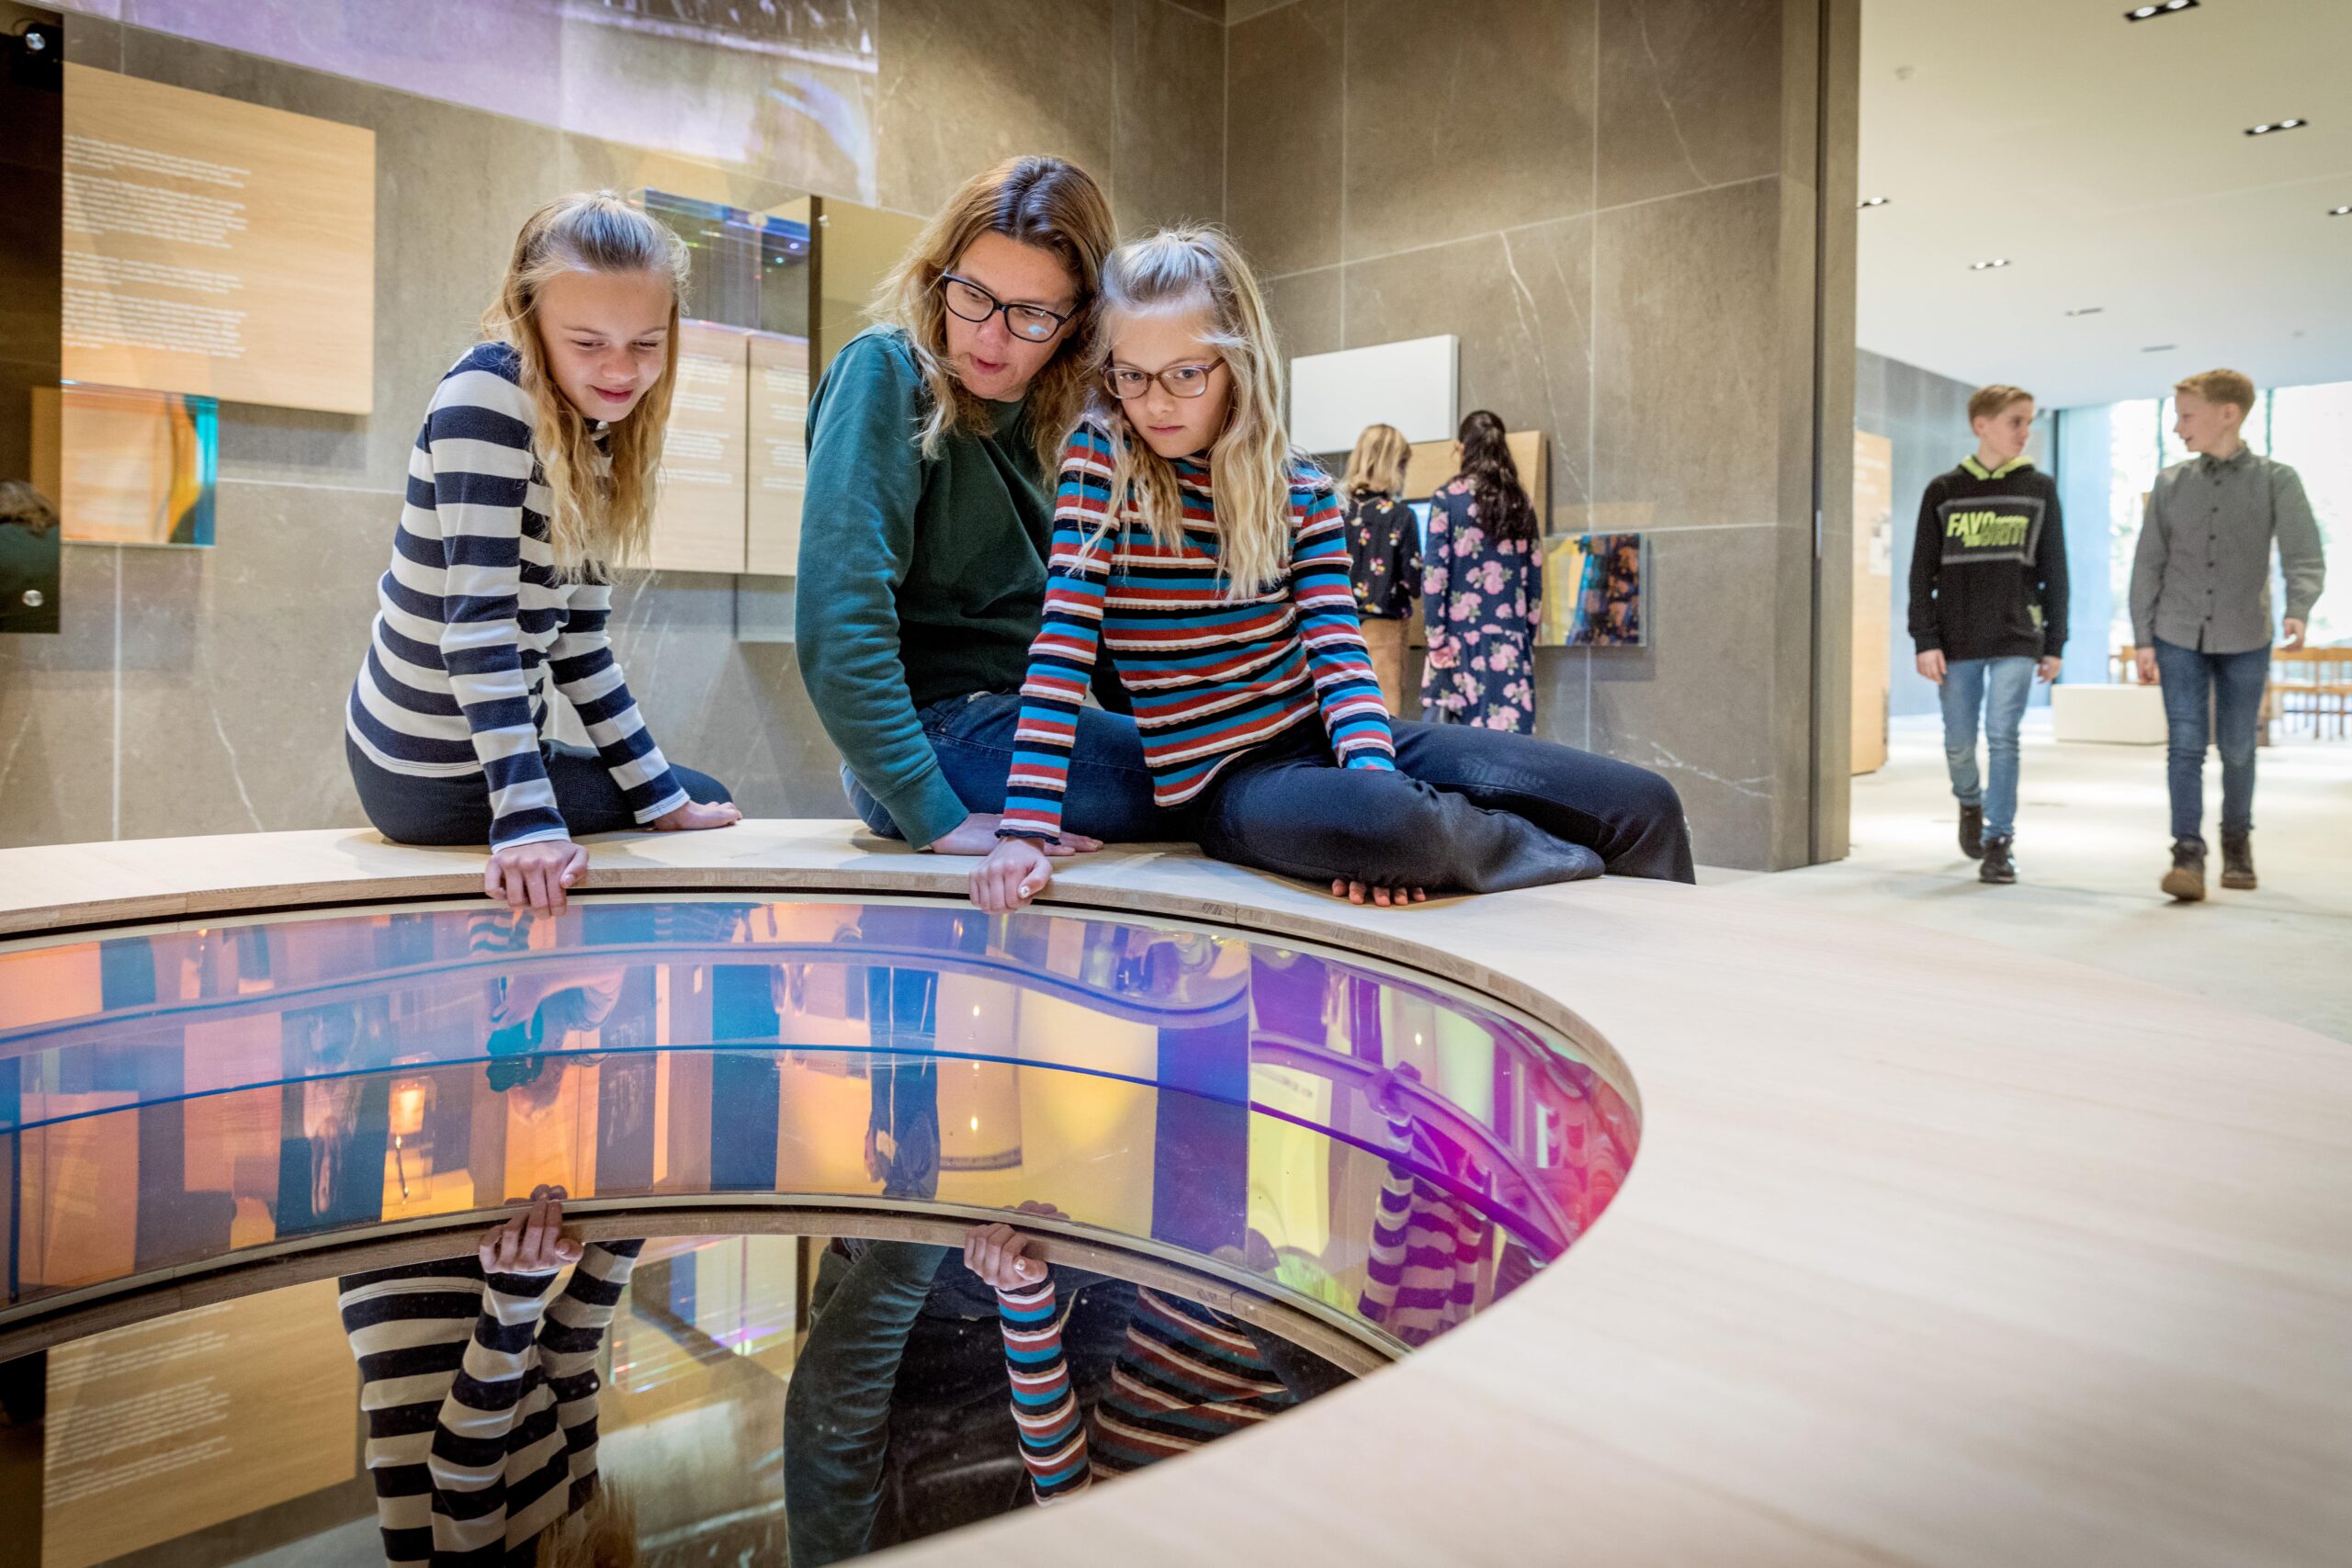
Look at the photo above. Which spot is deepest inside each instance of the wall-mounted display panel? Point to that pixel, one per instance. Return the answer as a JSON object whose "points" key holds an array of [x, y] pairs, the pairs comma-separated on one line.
{"points": [[779, 453], [217, 248], [699, 524], [32, 43], [1593, 591], [1411, 385], [135, 467]]}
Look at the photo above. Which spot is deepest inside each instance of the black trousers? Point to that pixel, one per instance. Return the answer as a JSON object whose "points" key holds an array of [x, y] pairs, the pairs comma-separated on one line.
{"points": [[449, 811]]}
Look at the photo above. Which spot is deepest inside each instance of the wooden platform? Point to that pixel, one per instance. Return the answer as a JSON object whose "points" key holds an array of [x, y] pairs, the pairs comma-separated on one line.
{"points": [[1935, 1252]]}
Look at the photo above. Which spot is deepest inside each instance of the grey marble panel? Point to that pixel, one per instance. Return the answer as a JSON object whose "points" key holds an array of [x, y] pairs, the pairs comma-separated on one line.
{"points": [[1243, 10], [1305, 307], [1284, 156], [1466, 117], [1564, 695], [452, 186], [91, 39], [1687, 394], [1168, 97], [965, 84], [1689, 96], [236, 662], [1521, 302], [57, 711], [1213, 9], [1699, 704]]}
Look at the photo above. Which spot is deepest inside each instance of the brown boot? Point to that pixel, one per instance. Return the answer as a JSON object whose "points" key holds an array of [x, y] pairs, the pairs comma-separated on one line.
{"points": [[2237, 862], [2186, 880]]}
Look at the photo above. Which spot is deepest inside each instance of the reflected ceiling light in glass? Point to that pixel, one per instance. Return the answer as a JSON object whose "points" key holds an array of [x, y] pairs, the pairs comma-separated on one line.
{"points": [[2165, 8], [2087, 311], [2160, 348], [1873, 201], [1988, 266], [2269, 126], [2340, 212]]}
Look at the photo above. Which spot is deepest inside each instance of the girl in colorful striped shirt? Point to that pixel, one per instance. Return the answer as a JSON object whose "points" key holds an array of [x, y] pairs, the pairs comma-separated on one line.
{"points": [[532, 477], [1209, 559]]}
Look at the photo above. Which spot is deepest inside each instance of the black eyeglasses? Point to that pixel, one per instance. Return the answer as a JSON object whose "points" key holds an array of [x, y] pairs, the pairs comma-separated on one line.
{"points": [[976, 304], [1181, 380]]}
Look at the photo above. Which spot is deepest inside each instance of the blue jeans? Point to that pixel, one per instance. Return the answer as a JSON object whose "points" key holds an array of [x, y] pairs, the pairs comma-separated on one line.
{"points": [[1998, 690], [2205, 693], [1629, 817]]}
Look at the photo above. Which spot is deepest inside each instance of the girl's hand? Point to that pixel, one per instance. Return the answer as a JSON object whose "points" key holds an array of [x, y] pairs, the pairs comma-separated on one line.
{"points": [[1387, 898], [693, 816], [994, 1253], [1440, 655], [532, 1242], [1015, 871], [535, 875]]}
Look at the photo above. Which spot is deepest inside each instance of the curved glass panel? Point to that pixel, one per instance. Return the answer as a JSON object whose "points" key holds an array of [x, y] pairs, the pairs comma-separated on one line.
{"points": [[181, 1096]]}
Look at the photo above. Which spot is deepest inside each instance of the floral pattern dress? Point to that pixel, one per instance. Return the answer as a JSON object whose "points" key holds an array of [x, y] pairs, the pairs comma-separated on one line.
{"points": [[1482, 599], [1384, 556]]}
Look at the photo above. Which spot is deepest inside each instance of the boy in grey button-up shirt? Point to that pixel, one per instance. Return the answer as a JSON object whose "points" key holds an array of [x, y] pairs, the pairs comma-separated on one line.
{"points": [[2201, 611]]}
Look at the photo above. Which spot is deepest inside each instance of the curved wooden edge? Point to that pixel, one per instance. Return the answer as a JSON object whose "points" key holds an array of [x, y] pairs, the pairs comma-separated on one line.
{"points": [[1357, 1350]]}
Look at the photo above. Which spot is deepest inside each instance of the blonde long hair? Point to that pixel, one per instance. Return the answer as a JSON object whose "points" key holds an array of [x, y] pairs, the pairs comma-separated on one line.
{"points": [[1046, 202], [1251, 463], [601, 504], [1378, 465]]}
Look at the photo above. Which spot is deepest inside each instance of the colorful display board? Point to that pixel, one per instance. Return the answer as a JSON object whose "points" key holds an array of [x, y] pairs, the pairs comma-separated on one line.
{"points": [[217, 248], [135, 467]]}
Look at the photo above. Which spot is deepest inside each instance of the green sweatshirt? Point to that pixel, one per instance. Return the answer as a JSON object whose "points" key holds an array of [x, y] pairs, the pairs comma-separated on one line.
{"points": [[921, 579]]}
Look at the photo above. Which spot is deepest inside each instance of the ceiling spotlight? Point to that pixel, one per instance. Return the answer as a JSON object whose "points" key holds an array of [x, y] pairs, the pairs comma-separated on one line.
{"points": [[1873, 201], [2340, 212], [2142, 13], [1988, 266], [2087, 311], [2267, 128]]}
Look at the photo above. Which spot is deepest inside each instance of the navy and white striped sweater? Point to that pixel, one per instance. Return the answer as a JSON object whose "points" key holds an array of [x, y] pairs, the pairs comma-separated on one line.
{"points": [[471, 618]]}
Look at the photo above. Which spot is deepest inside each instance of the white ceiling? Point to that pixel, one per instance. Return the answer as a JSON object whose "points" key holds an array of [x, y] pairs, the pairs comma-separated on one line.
{"points": [[2108, 161]]}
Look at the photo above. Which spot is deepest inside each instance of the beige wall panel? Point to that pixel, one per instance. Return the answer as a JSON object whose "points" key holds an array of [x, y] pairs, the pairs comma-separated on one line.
{"points": [[217, 247], [162, 1428], [700, 524], [1873, 601], [1432, 464], [779, 453]]}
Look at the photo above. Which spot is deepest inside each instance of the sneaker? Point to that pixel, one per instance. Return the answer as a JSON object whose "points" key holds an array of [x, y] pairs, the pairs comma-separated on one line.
{"points": [[1996, 866], [2237, 862], [2186, 880], [1972, 832]]}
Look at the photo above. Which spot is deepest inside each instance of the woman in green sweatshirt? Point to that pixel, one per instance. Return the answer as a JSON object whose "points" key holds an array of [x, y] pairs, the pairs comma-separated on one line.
{"points": [[933, 440]]}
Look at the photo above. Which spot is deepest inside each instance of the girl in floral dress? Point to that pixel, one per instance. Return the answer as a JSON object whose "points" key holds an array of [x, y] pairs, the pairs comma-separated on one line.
{"points": [[1482, 588]]}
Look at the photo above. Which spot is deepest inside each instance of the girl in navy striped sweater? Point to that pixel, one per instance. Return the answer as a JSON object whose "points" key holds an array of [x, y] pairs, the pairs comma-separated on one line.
{"points": [[532, 477], [1209, 559]]}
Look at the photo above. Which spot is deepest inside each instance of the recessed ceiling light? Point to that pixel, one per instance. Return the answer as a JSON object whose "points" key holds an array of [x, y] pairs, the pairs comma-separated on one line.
{"points": [[1988, 266], [2087, 311], [2340, 212], [2269, 126], [1873, 201], [2160, 348], [2164, 8]]}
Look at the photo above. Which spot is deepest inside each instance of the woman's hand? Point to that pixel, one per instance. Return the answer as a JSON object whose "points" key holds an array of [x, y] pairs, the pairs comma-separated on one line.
{"points": [[535, 875], [996, 1254], [1931, 665], [1016, 871], [693, 816], [533, 1242], [1387, 898], [1440, 655], [975, 835]]}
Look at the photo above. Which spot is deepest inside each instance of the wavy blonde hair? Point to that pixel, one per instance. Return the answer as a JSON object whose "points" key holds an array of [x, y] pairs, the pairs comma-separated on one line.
{"points": [[1046, 202], [1378, 465], [600, 512], [1196, 267]]}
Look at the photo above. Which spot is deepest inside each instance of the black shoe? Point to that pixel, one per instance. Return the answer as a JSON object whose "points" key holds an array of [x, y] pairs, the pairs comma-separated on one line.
{"points": [[1972, 832], [2237, 862], [1997, 867], [2186, 880]]}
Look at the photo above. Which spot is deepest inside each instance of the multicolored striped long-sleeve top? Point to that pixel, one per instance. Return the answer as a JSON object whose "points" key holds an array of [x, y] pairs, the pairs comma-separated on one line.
{"points": [[481, 1400], [1210, 676], [1185, 1376]]}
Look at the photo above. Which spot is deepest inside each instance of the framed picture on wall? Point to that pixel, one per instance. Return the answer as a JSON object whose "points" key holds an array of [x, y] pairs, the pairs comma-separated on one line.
{"points": [[1593, 591]]}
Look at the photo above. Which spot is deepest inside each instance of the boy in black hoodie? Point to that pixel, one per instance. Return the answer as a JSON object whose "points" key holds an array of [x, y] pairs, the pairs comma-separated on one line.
{"points": [[1988, 612]]}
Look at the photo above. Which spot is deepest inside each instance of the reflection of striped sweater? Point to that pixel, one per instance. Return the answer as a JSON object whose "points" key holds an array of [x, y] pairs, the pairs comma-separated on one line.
{"points": [[480, 1399], [1428, 1252], [1211, 677], [1185, 1377]]}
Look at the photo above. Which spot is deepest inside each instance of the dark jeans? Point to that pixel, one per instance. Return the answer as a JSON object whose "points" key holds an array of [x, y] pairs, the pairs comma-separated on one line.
{"points": [[1288, 807], [1630, 816], [2228, 686], [410, 810]]}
